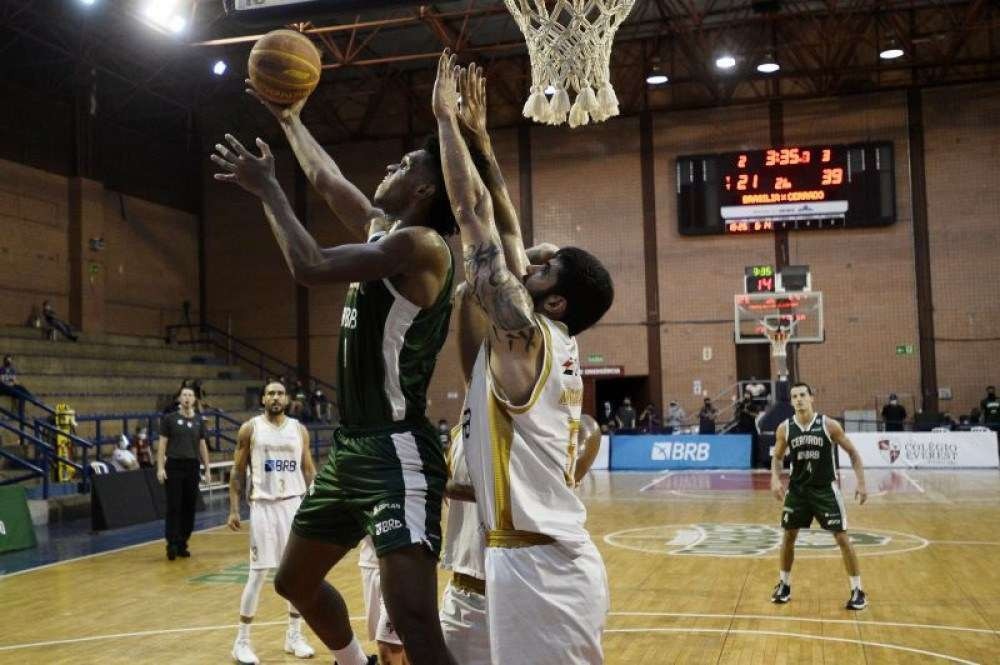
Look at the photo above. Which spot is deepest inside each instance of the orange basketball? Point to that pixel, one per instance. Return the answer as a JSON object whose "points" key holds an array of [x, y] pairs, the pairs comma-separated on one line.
{"points": [[284, 66]]}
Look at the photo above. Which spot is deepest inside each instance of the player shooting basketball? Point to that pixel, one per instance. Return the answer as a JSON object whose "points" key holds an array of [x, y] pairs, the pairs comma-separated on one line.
{"points": [[812, 488], [545, 579]]}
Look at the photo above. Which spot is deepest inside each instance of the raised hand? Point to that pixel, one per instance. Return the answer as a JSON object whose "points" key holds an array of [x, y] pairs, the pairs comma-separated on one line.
{"points": [[472, 111], [246, 169], [280, 112], [444, 100]]}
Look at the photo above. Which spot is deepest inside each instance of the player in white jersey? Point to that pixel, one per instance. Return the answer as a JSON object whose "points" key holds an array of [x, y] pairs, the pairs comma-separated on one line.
{"points": [[546, 586], [380, 628], [276, 450]]}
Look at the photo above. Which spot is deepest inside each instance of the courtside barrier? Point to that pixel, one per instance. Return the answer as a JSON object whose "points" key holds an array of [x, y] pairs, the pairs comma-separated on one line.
{"points": [[654, 452], [928, 450]]}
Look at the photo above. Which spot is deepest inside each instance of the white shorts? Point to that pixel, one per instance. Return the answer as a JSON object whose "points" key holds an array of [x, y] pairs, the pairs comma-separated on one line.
{"points": [[545, 605], [465, 627], [270, 524], [379, 627]]}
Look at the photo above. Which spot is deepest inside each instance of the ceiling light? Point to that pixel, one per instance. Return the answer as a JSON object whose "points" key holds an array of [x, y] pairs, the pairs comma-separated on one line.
{"points": [[87, 2], [891, 51], [725, 62], [219, 68], [657, 78], [768, 65], [176, 23], [165, 15]]}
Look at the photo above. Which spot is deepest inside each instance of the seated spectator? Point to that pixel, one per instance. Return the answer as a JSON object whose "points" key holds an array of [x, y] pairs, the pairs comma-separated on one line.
{"points": [[298, 402], [706, 417], [55, 323], [947, 422], [674, 417], [321, 407], [989, 407], [893, 414], [123, 459], [8, 380], [625, 416], [143, 451]]}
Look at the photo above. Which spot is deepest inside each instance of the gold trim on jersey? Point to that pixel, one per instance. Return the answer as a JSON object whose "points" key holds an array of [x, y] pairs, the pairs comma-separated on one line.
{"points": [[543, 377], [501, 439], [511, 538], [571, 452], [449, 460]]}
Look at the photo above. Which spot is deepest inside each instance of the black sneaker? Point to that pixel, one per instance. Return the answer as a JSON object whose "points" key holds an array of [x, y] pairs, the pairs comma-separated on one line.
{"points": [[782, 593], [184, 553], [858, 600], [171, 552]]}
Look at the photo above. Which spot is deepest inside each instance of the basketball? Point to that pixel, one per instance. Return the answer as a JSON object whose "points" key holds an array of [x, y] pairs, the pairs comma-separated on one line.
{"points": [[284, 66]]}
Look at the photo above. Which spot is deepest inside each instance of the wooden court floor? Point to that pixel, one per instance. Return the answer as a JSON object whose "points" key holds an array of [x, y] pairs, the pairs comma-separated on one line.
{"points": [[691, 559]]}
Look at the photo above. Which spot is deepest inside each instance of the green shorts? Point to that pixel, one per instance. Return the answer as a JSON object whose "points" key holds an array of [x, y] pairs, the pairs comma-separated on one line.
{"points": [[824, 503], [386, 483]]}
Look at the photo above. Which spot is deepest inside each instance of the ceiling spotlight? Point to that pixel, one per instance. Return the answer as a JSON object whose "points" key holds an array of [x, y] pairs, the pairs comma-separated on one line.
{"points": [[725, 62], [550, 90], [165, 15], [87, 2], [768, 65], [891, 51], [656, 75], [176, 23], [219, 68]]}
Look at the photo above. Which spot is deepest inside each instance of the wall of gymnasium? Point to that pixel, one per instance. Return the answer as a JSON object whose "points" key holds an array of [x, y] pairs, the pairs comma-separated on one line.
{"points": [[587, 192]]}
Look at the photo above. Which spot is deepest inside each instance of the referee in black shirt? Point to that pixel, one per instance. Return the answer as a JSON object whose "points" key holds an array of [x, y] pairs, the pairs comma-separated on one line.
{"points": [[182, 440]]}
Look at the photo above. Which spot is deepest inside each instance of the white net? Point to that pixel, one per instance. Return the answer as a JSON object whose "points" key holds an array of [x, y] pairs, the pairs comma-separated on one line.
{"points": [[569, 43]]}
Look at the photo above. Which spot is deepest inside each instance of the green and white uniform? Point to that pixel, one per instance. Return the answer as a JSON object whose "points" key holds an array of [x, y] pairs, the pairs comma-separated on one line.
{"points": [[386, 473], [812, 487]]}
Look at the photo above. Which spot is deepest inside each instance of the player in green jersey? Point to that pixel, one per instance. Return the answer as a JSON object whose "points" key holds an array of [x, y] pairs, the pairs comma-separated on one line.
{"points": [[386, 473], [813, 489]]}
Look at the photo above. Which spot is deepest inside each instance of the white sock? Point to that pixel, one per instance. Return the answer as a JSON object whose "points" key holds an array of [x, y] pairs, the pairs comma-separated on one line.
{"points": [[855, 582], [244, 633], [352, 654], [786, 576], [294, 624]]}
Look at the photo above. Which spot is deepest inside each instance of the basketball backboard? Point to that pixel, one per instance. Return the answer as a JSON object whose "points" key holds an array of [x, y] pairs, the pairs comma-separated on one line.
{"points": [[800, 313]]}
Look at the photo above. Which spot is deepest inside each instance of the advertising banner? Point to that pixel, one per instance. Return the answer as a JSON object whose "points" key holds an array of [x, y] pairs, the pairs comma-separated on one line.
{"points": [[655, 452], [929, 450]]}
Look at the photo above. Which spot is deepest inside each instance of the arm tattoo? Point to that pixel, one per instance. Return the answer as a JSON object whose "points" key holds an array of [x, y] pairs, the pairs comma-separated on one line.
{"points": [[501, 295]]}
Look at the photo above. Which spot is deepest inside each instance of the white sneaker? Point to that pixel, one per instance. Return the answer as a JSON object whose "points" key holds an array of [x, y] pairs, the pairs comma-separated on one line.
{"points": [[297, 645], [243, 653]]}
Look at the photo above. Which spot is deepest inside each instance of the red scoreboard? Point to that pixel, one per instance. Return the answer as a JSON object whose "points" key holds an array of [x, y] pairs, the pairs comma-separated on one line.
{"points": [[792, 187]]}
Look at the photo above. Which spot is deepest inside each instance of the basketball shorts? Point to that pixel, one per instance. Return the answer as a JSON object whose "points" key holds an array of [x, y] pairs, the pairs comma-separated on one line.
{"points": [[379, 626], [824, 502], [270, 522], [465, 626], [545, 604], [387, 483]]}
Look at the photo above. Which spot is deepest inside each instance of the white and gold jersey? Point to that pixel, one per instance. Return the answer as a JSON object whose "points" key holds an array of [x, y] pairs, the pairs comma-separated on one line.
{"points": [[522, 458], [276, 460], [464, 545]]}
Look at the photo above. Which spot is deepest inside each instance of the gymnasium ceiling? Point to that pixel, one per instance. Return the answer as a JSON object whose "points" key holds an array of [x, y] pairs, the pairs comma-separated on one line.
{"points": [[378, 59]]}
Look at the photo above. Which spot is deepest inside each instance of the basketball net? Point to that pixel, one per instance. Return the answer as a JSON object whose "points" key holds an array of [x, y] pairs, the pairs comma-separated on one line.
{"points": [[779, 336], [569, 44]]}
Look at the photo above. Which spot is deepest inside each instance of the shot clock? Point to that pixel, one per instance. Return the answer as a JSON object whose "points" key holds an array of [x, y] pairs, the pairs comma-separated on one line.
{"points": [[791, 187]]}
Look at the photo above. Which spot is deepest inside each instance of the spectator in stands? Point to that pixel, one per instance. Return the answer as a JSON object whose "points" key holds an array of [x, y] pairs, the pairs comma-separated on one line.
{"points": [[183, 439], [299, 402], [142, 450], [706, 417], [947, 422], [321, 407], [8, 380], [893, 414], [989, 407], [649, 421], [607, 416], [124, 459], [55, 323], [625, 416], [674, 417], [745, 416]]}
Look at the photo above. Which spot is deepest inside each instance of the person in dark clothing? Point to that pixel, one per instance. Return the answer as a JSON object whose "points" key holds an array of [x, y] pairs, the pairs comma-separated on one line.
{"points": [[893, 414], [182, 441], [56, 323], [625, 415], [989, 407], [8, 380], [706, 417], [649, 421]]}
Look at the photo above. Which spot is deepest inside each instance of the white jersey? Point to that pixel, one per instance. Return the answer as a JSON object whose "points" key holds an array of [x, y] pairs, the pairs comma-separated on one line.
{"points": [[366, 554], [276, 460], [522, 459], [464, 545]]}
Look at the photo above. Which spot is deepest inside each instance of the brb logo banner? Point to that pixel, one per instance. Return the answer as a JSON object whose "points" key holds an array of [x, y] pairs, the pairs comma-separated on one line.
{"points": [[682, 451]]}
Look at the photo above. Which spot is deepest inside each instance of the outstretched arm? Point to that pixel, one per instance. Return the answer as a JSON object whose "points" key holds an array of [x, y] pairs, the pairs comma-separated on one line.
{"points": [[397, 253], [498, 291], [346, 201]]}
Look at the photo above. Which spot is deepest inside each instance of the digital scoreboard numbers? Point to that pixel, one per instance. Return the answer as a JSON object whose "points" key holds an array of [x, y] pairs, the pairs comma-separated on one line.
{"points": [[791, 187]]}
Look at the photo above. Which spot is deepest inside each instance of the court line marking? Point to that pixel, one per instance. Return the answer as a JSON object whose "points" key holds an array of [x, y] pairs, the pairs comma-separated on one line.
{"points": [[655, 481], [124, 548], [772, 617], [906, 474], [770, 633], [964, 542], [143, 633], [617, 535]]}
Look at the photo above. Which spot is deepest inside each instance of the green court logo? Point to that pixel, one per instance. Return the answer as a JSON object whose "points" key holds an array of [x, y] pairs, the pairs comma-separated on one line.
{"points": [[756, 540], [236, 574]]}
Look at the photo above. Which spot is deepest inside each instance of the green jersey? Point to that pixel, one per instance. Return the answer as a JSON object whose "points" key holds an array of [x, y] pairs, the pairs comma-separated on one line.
{"points": [[812, 453], [388, 348]]}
